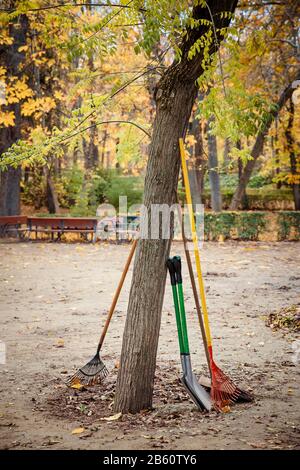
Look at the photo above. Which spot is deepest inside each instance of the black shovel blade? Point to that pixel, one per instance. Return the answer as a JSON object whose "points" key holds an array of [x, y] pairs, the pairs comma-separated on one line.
{"points": [[197, 393]]}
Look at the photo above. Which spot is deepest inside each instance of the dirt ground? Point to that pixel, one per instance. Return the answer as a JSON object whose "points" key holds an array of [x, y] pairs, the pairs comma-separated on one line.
{"points": [[53, 301]]}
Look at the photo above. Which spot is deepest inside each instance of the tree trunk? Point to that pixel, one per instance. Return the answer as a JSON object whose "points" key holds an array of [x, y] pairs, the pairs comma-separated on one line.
{"points": [[244, 200], [51, 196], [175, 95], [259, 143], [213, 168], [276, 153], [91, 156], [11, 59], [105, 135], [198, 168], [10, 191], [227, 149], [291, 149]]}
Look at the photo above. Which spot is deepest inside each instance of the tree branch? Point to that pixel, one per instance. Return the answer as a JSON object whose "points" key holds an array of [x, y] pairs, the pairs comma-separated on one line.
{"points": [[71, 5], [259, 143], [115, 121]]}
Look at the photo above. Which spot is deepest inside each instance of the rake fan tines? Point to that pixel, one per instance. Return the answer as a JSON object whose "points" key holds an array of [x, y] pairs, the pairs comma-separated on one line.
{"points": [[90, 374], [223, 390]]}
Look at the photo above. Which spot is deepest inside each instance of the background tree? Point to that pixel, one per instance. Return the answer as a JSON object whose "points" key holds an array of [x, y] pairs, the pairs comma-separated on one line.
{"points": [[12, 60]]}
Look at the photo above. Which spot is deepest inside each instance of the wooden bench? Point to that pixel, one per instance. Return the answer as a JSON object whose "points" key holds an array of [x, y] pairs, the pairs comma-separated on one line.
{"points": [[13, 224], [56, 226], [60, 225]]}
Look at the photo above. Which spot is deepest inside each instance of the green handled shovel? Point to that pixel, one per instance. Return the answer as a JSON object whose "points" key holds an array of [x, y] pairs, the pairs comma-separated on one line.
{"points": [[198, 394]]}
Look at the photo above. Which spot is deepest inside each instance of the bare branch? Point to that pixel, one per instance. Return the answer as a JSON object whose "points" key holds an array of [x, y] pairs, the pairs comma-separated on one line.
{"points": [[72, 5], [107, 21], [106, 122]]}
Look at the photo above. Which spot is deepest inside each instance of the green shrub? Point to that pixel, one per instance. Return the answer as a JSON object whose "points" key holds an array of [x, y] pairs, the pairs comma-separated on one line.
{"points": [[240, 225], [123, 186], [72, 181], [249, 225], [81, 207], [97, 191], [288, 221], [216, 225], [258, 181], [33, 192]]}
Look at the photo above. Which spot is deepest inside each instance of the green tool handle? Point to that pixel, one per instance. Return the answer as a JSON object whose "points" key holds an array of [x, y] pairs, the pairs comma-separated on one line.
{"points": [[177, 266], [178, 320], [186, 349], [171, 269]]}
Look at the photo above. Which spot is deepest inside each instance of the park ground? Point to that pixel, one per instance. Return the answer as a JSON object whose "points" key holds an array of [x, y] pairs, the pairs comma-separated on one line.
{"points": [[54, 298]]}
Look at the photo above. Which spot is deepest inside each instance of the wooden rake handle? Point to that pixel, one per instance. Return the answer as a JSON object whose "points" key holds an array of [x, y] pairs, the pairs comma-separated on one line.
{"points": [[117, 294]]}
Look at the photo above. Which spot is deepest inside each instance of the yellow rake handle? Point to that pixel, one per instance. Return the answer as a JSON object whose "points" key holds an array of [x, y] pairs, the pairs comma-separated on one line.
{"points": [[195, 241]]}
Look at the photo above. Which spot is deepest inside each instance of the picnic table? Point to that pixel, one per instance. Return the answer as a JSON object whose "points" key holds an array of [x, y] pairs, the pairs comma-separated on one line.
{"points": [[17, 224], [120, 228], [60, 225]]}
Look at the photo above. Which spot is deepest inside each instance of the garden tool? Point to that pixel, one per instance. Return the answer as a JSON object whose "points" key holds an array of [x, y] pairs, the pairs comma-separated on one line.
{"points": [[95, 370], [193, 283], [198, 394], [223, 390], [244, 396]]}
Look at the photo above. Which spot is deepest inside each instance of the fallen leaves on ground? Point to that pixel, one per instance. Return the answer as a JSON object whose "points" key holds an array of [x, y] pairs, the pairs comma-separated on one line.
{"points": [[287, 318], [226, 409], [77, 385], [113, 417], [78, 431]]}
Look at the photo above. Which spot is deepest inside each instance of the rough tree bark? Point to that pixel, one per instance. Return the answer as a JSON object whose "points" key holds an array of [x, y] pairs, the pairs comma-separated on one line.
{"points": [[258, 145], [291, 149], [213, 168], [11, 59], [175, 95]]}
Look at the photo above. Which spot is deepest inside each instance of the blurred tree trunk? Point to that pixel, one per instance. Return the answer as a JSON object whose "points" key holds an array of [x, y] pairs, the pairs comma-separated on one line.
{"points": [[276, 153], [244, 201], [226, 152], [105, 135], [259, 144], [175, 95], [51, 197], [213, 168], [11, 58], [198, 165], [91, 151], [291, 149]]}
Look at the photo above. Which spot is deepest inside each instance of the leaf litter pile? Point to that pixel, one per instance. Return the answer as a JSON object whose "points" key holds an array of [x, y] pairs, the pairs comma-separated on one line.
{"points": [[287, 319], [92, 407], [90, 404]]}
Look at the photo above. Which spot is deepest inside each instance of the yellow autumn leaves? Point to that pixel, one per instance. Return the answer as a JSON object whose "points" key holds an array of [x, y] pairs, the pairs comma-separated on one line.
{"points": [[38, 106], [17, 91]]}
